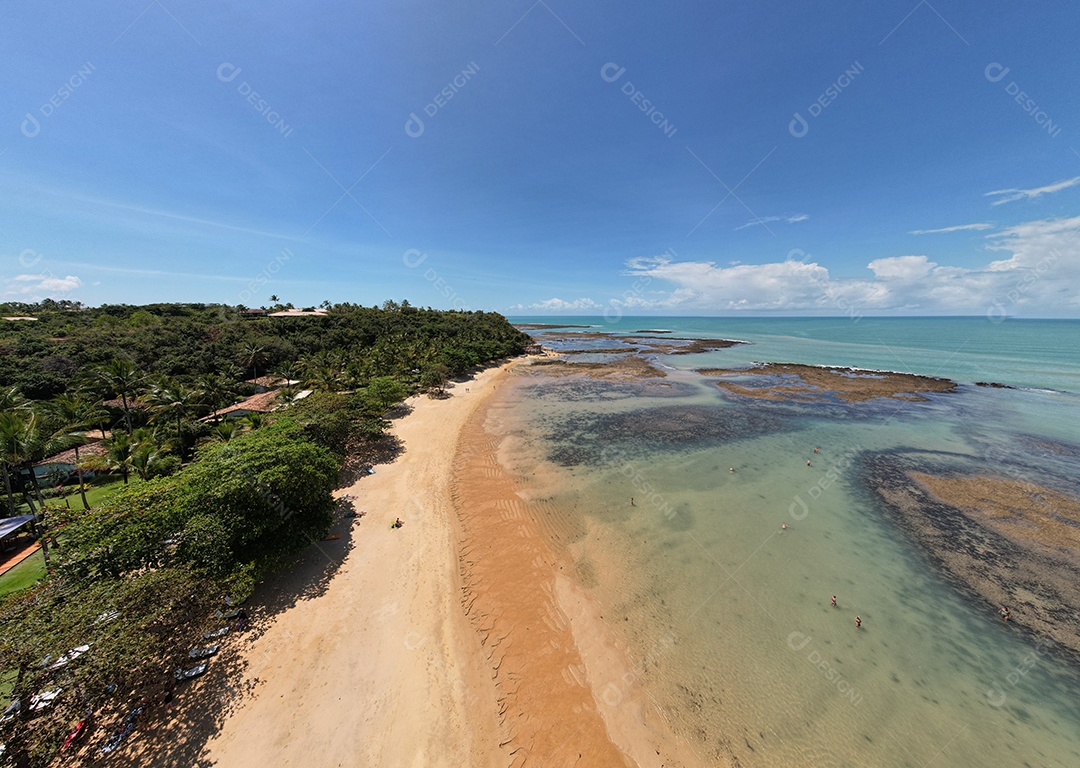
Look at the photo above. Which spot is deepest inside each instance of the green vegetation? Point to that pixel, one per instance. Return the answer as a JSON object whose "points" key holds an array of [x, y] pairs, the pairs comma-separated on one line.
{"points": [[188, 342], [195, 507], [23, 575]]}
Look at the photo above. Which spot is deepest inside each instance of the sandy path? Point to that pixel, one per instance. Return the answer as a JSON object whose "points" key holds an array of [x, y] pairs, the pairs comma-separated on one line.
{"points": [[383, 669]]}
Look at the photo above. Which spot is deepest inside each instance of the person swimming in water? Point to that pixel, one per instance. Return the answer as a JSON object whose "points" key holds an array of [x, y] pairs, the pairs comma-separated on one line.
{"points": [[834, 601], [858, 622]]}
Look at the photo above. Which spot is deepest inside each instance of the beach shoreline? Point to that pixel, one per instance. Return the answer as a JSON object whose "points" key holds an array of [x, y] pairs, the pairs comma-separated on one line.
{"points": [[404, 657], [381, 667], [567, 690]]}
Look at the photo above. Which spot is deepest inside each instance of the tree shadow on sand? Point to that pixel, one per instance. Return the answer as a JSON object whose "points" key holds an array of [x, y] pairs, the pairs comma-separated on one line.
{"points": [[363, 458], [177, 735]]}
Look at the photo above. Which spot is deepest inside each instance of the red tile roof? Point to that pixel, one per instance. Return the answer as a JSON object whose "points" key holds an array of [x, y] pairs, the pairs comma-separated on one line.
{"points": [[264, 403]]}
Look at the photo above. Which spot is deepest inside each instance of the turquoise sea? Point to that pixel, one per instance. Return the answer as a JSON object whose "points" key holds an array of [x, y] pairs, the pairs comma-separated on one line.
{"points": [[727, 615]]}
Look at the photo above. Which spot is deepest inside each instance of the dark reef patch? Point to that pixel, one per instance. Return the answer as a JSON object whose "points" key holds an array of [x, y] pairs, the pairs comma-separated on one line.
{"points": [[598, 438], [992, 540]]}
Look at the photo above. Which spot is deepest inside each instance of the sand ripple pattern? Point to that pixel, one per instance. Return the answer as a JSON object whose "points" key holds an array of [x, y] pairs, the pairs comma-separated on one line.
{"points": [[508, 567]]}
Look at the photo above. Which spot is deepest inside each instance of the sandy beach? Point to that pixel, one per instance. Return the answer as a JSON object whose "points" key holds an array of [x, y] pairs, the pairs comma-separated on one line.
{"points": [[454, 640], [382, 668]]}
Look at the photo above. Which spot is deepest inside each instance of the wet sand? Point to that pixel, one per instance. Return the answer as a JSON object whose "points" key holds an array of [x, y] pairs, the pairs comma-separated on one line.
{"points": [[552, 658], [456, 640], [382, 667]]}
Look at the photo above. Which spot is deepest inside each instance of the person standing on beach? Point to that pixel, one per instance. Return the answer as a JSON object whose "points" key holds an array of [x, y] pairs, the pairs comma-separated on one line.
{"points": [[632, 504]]}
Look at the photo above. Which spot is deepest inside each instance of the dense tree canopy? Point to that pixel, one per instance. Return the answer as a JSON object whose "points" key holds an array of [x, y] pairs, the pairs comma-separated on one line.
{"points": [[190, 340], [213, 504]]}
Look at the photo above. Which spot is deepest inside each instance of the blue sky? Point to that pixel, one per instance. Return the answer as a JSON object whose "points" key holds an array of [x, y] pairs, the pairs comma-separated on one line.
{"points": [[544, 157]]}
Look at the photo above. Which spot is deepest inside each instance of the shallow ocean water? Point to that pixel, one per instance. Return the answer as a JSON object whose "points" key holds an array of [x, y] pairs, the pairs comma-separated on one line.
{"points": [[726, 614]]}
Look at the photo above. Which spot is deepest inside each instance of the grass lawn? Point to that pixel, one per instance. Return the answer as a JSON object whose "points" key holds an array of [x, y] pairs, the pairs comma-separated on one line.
{"points": [[33, 568], [23, 575], [7, 683], [96, 494], [97, 490]]}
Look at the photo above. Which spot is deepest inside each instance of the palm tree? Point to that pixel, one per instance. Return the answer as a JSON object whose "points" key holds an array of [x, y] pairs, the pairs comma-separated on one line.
{"points": [[13, 409], [215, 391], [12, 430], [168, 399], [225, 431], [288, 371], [122, 378], [19, 443], [73, 415], [253, 355], [255, 419], [146, 455], [118, 451], [325, 378]]}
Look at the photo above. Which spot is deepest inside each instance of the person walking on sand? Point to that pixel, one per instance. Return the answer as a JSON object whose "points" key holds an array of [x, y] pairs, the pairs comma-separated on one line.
{"points": [[632, 504], [858, 622], [834, 601]]}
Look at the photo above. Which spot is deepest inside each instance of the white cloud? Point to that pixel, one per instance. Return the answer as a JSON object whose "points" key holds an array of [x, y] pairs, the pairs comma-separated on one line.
{"points": [[1034, 244], [1040, 277], [1012, 195], [557, 304], [763, 220], [34, 287], [901, 267], [958, 228]]}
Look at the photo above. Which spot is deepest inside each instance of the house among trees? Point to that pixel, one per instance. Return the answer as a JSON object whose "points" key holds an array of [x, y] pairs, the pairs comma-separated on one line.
{"points": [[270, 383], [264, 402], [254, 313], [300, 313], [62, 465]]}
